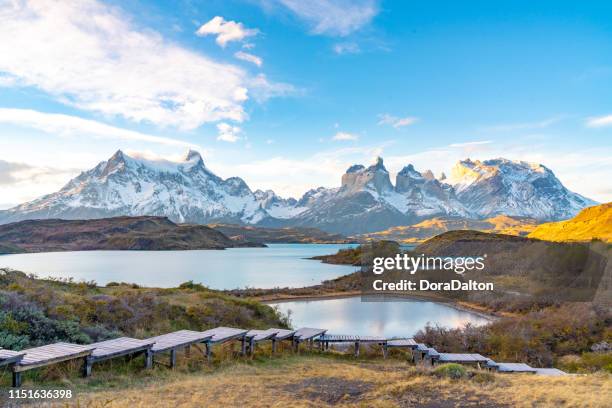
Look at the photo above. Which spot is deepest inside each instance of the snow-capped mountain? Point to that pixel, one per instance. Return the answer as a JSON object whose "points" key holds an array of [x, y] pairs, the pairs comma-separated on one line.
{"points": [[515, 188], [366, 201], [276, 206], [185, 191]]}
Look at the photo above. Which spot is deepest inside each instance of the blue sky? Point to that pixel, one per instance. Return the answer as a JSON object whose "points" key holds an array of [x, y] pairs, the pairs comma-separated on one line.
{"points": [[287, 94]]}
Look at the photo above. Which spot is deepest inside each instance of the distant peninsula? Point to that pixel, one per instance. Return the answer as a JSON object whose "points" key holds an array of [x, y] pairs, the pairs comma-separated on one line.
{"points": [[117, 233]]}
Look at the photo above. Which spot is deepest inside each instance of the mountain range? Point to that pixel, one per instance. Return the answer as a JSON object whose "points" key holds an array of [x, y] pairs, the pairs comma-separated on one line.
{"points": [[366, 201]]}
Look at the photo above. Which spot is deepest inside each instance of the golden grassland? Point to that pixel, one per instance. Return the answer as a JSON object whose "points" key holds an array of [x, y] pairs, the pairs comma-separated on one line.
{"points": [[422, 231], [322, 380], [591, 223]]}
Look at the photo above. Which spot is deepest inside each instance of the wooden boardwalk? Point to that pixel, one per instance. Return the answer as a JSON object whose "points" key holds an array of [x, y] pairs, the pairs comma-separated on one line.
{"points": [[325, 339], [220, 335], [306, 334], [174, 341], [47, 355], [402, 343], [256, 336], [8, 357], [511, 367], [461, 358], [281, 334], [20, 361], [122, 346]]}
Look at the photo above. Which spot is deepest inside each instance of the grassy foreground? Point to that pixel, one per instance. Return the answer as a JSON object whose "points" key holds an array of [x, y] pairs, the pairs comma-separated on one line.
{"points": [[313, 380]]}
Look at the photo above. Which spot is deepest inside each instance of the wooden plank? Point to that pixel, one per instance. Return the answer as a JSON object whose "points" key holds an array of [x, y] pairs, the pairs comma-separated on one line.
{"points": [[223, 334], [514, 368], [307, 333], [121, 346], [550, 372], [283, 334], [257, 336], [177, 339], [336, 338], [462, 358], [8, 357], [58, 352], [407, 343]]}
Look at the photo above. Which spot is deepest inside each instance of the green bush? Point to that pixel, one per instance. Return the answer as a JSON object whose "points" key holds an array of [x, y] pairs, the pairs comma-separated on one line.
{"points": [[587, 362], [452, 370]]}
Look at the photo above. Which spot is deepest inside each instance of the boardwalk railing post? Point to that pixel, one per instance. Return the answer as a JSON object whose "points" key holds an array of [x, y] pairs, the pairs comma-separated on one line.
{"points": [[356, 349], [148, 359], [273, 346], [87, 364], [251, 346], [172, 358], [16, 379], [208, 351]]}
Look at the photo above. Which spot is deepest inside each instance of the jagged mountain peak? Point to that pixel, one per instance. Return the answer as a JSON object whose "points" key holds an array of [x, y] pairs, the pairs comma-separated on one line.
{"points": [[374, 178], [516, 188], [378, 165], [186, 191], [410, 171]]}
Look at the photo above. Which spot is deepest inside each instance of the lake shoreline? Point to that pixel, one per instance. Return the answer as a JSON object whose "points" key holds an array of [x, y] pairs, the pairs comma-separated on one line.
{"points": [[461, 306]]}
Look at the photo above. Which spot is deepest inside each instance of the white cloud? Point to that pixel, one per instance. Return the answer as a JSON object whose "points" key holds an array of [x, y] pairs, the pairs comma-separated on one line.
{"points": [[245, 56], [91, 56], [386, 119], [60, 124], [226, 31], [343, 136], [262, 89], [228, 133], [346, 48], [332, 17], [599, 121]]}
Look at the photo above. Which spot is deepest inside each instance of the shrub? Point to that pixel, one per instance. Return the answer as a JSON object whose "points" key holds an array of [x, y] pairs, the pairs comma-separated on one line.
{"points": [[452, 370], [193, 286], [587, 362]]}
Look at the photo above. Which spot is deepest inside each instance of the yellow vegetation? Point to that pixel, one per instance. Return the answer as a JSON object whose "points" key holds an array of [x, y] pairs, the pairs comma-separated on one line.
{"points": [[328, 380], [591, 223], [422, 231]]}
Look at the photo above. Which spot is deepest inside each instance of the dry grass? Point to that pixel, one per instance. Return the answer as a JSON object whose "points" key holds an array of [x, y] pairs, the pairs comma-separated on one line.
{"points": [[329, 380]]}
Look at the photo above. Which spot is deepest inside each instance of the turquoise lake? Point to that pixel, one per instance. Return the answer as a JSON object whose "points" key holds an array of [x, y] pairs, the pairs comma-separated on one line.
{"points": [[279, 265]]}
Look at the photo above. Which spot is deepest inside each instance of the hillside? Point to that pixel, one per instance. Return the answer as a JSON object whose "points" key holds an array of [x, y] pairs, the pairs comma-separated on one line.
{"points": [[241, 233], [422, 231], [118, 233], [591, 223], [42, 311]]}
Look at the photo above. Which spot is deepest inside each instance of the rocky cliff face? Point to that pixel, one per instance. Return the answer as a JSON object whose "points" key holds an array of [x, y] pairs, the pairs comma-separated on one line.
{"points": [[514, 188], [185, 191], [366, 201]]}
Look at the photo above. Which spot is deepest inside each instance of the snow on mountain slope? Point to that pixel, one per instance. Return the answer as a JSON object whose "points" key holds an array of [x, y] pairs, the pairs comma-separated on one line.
{"points": [[366, 201], [276, 206], [184, 191], [514, 188]]}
